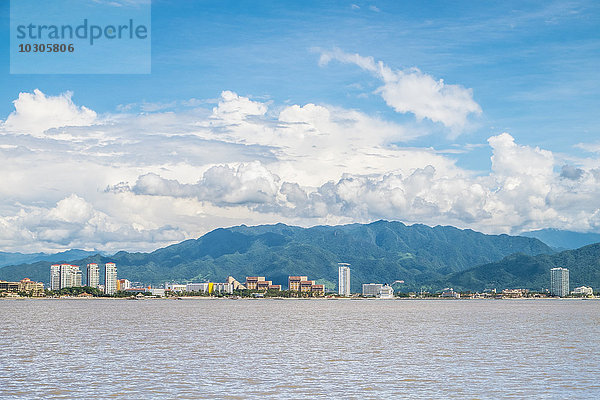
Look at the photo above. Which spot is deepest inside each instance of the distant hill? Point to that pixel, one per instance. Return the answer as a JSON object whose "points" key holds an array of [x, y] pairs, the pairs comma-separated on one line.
{"points": [[531, 272], [20, 258], [564, 240], [378, 252]]}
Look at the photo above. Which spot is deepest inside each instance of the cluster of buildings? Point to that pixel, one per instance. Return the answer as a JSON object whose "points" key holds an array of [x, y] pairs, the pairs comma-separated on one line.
{"points": [[559, 284], [25, 285], [67, 275]]}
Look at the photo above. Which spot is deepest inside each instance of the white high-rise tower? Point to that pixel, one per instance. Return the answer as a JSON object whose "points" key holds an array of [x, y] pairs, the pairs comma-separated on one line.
{"points": [[93, 275], [559, 282], [110, 278], [344, 279]]}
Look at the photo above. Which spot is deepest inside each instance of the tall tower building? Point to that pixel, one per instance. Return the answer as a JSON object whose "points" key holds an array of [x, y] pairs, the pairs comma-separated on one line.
{"points": [[93, 275], [64, 276], [559, 282], [55, 277], [344, 279], [110, 278]]}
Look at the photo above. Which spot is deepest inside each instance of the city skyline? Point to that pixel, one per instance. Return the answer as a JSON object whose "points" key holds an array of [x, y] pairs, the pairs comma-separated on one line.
{"points": [[352, 112]]}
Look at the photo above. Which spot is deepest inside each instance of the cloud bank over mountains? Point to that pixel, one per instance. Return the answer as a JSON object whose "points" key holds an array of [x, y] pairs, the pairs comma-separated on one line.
{"points": [[74, 178]]}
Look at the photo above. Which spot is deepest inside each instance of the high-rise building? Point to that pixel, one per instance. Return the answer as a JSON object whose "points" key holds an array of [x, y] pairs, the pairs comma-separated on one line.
{"points": [[93, 275], [110, 278], [559, 282], [55, 277], [344, 279], [64, 276]]}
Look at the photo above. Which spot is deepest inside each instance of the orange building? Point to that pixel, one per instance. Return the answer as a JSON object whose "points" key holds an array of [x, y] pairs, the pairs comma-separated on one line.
{"points": [[306, 286], [252, 282], [294, 282]]}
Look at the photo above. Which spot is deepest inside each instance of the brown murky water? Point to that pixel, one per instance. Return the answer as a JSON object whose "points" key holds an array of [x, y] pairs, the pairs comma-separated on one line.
{"points": [[295, 349]]}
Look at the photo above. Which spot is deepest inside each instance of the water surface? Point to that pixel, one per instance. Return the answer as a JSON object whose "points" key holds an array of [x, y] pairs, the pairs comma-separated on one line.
{"points": [[299, 349]]}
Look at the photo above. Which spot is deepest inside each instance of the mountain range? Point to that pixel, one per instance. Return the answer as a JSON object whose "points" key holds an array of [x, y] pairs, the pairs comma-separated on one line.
{"points": [[381, 251], [530, 272], [564, 240], [20, 258]]}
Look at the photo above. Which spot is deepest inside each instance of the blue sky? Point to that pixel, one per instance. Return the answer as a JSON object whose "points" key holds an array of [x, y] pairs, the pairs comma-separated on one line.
{"points": [[530, 67]]}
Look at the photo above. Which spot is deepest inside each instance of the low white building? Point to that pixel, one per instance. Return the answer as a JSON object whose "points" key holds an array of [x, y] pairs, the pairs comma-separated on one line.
{"points": [[386, 292], [378, 290], [210, 287], [583, 291], [175, 287]]}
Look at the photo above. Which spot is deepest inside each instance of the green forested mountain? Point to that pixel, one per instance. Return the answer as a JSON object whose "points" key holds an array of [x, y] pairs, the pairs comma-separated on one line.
{"points": [[531, 272], [378, 252]]}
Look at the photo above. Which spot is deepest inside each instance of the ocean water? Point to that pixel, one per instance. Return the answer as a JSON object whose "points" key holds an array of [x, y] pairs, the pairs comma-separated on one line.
{"points": [[299, 349]]}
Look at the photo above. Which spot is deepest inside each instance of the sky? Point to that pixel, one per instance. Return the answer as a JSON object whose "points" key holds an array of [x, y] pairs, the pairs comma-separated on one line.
{"points": [[472, 114]]}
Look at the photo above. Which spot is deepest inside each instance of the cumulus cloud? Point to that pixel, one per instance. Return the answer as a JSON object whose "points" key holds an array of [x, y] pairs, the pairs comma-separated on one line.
{"points": [[412, 91], [246, 183], [247, 161], [35, 113]]}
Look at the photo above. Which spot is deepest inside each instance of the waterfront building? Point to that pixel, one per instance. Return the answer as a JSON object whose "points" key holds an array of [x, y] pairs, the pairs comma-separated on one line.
{"points": [[234, 283], [210, 287], [64, 276], [386, 292], [123, 284], [55, 277], [344, 279], [371, 289], [93, 275], [252, 282], [34, 288], [449, 293], [174, 287], [275, 287], [378, 290], [559, 282], [9, 286], [318, 289], [514, 293], [263, 285], [306, 286], [294, 282], [583, 291], [110, 278]]}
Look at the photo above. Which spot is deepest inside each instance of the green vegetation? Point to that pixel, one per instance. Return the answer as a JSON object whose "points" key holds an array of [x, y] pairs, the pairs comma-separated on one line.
{"points": [[531, 272]]}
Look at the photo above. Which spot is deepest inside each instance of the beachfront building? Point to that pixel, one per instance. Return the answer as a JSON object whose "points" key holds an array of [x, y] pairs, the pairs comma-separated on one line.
{"points": [[294, 282], [252, 282], [583, 291], [378, 290], [25, 285], [175, 287], [344, 279], [449, 293], [64, 276], [110, 278], [559, 282], [234, 283], [123, 284], [371, 289], [260, 283], [210, 287], [92, 275], [303, 285]]}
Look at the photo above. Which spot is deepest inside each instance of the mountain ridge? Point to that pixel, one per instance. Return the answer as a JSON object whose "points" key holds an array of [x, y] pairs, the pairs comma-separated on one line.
{"points": [[382, 251]]}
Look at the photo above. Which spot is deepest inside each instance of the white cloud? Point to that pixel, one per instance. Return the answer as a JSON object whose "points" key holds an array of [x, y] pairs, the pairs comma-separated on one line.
{"points": [[176, 175], [412, 91], [35, 113]]}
